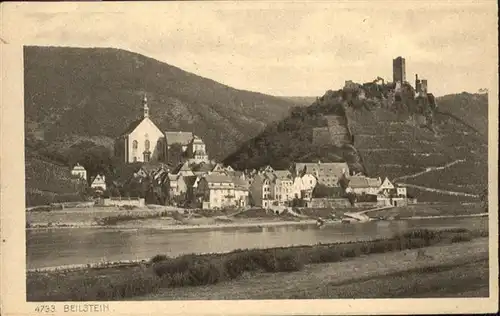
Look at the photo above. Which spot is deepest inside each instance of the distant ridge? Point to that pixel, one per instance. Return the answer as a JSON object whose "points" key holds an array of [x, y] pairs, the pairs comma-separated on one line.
{"points": [[97, 92]]}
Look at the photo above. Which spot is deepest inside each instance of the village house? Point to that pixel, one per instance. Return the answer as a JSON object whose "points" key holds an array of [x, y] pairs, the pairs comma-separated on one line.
{"points": [[327, 174], [271, 187], [217, 191], [79, 172], [260, 190], [281, 186], [175, 187], [192, 146], [360, 185], [241, 191], [303, 186], [183, 169], [142, 141], [98, 182], [401, 191]]}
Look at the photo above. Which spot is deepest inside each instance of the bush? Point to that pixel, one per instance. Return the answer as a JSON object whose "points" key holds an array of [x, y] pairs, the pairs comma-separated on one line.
{"points": [[284, 261], [158, 258]]}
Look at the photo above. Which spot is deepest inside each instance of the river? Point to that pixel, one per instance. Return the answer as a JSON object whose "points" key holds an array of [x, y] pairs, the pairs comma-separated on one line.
{"points": [[56, 247]]}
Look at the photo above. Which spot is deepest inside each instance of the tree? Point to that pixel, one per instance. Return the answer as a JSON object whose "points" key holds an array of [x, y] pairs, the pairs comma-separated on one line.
{"points": [[175, 155]]}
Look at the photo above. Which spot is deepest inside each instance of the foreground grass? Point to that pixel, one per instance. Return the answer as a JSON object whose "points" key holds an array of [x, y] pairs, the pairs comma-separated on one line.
{"points": [[198, 270], [456, 270]]}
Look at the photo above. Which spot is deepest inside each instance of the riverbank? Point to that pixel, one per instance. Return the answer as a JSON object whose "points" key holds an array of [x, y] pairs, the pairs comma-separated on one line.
{"points": [[167, 218], [139, 279], [454, 270]]}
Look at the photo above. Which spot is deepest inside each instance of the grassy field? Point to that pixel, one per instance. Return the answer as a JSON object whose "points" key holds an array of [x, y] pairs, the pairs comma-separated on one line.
{"points": [[455, 270], [438, 209], [113, 283]]}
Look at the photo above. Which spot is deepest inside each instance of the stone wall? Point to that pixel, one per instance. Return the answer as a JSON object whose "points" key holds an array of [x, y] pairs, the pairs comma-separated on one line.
{"points": [[328, 202], [123, 202]]}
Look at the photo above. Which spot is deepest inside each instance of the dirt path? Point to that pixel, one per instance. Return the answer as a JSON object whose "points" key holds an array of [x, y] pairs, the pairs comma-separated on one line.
{"points": [[438, 190], [377, 275], [430, 169]]}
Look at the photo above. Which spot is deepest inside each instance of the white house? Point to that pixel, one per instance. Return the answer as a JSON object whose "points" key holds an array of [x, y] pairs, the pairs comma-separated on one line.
{"points": [[143, 141], [98, 182], [303, 186], [79, 171], [363, 185], [401, 191], [386, 188], [217, 191]]}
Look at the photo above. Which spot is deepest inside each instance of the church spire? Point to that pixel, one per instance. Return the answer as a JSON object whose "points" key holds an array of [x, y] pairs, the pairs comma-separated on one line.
{"points": [[145, 106]]}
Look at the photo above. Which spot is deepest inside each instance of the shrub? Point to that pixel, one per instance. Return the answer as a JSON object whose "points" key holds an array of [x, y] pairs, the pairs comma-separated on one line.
{"points": [[284, 261], [461, 237], [158, 258]]}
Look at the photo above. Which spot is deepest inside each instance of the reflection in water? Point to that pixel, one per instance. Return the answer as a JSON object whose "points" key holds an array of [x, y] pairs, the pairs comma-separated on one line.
{"points": [[53, 247]]}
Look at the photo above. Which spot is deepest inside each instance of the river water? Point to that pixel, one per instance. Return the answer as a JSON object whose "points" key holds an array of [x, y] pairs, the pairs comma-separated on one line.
{"points": [[55, 247]]}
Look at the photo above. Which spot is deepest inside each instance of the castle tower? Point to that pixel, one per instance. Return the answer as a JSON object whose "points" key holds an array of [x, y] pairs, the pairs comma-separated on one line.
{"points": [[418, 85], [399, 70], [423, 85], [145, 106]]}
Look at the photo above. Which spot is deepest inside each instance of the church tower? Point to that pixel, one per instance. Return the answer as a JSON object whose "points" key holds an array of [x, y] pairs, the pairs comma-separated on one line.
{"points": [[145, 106]]}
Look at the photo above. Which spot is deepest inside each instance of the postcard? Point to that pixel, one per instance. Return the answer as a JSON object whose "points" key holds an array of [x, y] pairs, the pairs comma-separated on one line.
{"points": [[249, 157]]}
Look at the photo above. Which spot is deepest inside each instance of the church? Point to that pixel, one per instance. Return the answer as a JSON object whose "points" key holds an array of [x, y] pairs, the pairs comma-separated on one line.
{"points": [[144, 142]]}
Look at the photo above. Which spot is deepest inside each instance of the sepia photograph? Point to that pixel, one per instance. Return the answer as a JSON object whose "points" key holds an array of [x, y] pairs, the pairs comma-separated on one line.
{"points": [[251, 150]]}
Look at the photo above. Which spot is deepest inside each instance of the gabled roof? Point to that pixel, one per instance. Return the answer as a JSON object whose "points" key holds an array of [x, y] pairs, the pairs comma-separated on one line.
{"points": [[218, 167], [240, 183], [218, 178], [323, 168], [184, 166], [363, 182], [190, 180], [132, 126], [182, 138], [283, 174], [153, 166], [233, 173]]}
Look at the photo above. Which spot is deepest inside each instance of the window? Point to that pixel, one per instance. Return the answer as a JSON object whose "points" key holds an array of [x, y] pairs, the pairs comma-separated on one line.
{"points": [[135, 159], [135, 144], [147, 144]]}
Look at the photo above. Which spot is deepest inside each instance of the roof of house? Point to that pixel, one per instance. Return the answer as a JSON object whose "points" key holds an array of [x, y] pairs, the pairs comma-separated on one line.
{"points": [[218, 178], [78, 167], [234, 173], [364, 182], [283, 174], [240, 183], [153, 166], [183, 138], [323, 168], [197, 140], [184, 166], [190, 180], [202, 167], [131, 127]]}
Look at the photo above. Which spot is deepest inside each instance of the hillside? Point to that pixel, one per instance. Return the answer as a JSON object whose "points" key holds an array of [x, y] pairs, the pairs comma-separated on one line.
{"points": [[300, 101], [94, 93], [472, 109], [387, 138]]}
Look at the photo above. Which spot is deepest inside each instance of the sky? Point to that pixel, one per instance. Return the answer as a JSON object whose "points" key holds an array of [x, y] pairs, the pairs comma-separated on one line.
{"points": [[282, 48]]}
